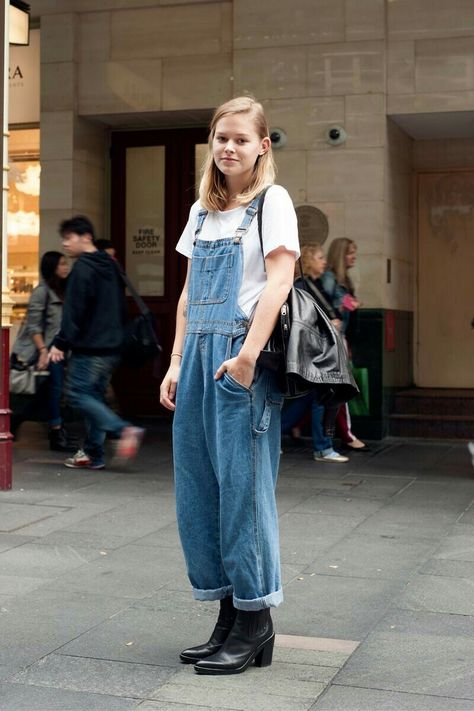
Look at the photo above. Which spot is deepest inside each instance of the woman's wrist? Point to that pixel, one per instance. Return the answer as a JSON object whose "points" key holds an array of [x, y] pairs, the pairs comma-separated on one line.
{"points": [[176, 357], [42, 348]]}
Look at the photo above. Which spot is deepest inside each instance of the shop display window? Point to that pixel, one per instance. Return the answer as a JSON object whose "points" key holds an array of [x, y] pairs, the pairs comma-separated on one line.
{"points": [[23, 216]]}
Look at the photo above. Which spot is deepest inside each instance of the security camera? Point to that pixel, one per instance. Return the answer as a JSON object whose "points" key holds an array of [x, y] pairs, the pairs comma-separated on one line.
{"points": [[278, 137], [336, 135]]}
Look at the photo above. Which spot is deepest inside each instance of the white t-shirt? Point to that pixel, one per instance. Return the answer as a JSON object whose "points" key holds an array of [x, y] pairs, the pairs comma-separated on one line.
{"points": [[279, 229]]}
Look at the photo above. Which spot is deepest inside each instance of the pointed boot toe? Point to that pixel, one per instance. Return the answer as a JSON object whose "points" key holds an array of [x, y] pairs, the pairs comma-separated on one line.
{"points": [[219, 635]]}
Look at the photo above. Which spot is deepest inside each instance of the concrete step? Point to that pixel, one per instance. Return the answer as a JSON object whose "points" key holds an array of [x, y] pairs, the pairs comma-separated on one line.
{"points": [[433, 426], [435, 401]]}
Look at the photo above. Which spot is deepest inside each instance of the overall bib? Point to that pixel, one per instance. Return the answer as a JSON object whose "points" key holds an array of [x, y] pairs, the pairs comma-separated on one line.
{"points": [[226, 440]]}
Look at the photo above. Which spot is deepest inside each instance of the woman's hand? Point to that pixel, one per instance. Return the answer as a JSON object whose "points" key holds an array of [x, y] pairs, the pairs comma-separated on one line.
{"points": [[43, 360], [55, 355], [336, 322], [241, 369], [169, 385]]}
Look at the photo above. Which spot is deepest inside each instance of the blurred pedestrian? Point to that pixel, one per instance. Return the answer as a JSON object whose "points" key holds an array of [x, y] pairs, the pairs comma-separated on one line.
{"points": [[92, 328], [41, 324], [338, 286], [313, 264]]}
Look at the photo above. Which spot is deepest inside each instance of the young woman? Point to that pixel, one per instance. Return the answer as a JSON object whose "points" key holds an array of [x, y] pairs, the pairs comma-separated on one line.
{"points": [[338, 286], [226, 429], [313, 263], [42, 323]]}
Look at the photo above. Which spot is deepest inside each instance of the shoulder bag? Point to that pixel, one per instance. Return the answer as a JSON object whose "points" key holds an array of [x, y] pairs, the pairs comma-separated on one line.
{"points": [[305, 349]]}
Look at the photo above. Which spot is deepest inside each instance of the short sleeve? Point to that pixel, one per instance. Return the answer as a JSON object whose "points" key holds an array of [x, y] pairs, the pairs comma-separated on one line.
{"points": [[185, 242], [279, 222]]}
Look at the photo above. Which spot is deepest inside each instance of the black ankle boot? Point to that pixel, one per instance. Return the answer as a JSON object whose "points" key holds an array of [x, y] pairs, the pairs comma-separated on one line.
{"points": [[58, 441], [251, 637], [221, 631]]}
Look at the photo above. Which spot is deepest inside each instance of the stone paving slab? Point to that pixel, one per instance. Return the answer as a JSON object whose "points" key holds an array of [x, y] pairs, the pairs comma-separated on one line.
{"points": [[14, 517], [303, 536], [416, 652], [422, 494], [40, 622], [16, 697], [11, 540], [420, 522], [370, 486], [252, 691], [347, 506], [374, 556], [335, 607], [468, 516], [60, 518], [432, 593], [45, 561], [353, 698], [449, 568], [458, 544], [94, 675], [134, 572]]}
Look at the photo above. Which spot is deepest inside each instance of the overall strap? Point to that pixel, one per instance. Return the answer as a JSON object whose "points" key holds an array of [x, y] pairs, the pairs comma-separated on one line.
{"points": [[250, 213], [202, 214]]}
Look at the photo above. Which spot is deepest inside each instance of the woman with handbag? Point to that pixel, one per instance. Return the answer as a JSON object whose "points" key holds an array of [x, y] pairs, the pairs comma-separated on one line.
{"points": [[226, 430], [42, 322], [338, 286], [313, 263]]}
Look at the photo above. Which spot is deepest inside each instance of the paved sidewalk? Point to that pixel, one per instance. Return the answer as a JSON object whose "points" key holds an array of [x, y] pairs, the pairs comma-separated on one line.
{"points": [[378, 566]]}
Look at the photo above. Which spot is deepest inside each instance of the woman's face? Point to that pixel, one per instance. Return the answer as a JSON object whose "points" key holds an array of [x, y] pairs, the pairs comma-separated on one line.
{"points": [[62, 270], [236, 146], [351, 256], [318, 264]]}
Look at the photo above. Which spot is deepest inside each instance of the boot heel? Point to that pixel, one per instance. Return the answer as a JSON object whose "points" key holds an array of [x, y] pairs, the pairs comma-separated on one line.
{"points": [[265, 656]]}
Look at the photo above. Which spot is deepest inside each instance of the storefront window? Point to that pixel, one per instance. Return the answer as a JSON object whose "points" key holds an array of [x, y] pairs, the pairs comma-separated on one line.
{"points": [[23, 215]]}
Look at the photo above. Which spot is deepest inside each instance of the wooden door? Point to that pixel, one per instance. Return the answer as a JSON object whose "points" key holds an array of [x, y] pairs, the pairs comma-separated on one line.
{"points": [[445, 313], [153, 187]]}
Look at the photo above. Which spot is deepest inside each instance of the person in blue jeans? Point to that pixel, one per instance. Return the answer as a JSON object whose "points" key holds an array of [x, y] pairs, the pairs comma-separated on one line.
{"points": [[41, 324], [313, 263], [226, 428], [92, 329]]}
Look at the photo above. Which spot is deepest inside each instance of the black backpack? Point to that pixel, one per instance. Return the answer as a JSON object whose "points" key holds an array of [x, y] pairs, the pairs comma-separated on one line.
{"points": [[140, 343]]}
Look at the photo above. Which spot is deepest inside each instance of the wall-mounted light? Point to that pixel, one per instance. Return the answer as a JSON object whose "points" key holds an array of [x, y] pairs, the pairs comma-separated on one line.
{"points": [[19, 30]]}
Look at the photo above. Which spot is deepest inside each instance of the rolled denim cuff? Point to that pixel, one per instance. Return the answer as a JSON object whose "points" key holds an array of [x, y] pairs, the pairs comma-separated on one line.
{"points": [[218, 594], [260, 603]]}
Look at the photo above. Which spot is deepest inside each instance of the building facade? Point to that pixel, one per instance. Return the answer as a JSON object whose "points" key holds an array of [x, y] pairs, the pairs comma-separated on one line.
{"points": [[128, 86]]}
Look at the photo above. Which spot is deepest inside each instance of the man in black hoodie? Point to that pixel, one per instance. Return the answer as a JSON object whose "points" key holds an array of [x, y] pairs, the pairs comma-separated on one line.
{"points": [[92, 329]]}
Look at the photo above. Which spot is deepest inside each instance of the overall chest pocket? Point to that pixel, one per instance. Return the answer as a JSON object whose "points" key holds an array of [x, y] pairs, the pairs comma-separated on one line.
{"points": [[210, 279]]}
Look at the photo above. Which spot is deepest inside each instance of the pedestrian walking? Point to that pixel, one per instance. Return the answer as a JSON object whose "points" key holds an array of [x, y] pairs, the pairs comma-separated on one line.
{"points": [[313, 264], [42, 322], [226, 428], [338, 286], [92, 329]]}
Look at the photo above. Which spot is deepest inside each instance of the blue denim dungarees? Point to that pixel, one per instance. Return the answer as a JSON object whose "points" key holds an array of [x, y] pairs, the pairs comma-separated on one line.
{"points": [[226, 440]]}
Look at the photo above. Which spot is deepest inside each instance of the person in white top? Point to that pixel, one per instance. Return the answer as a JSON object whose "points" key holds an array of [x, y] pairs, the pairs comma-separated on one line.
{"points": [[226, 429]]}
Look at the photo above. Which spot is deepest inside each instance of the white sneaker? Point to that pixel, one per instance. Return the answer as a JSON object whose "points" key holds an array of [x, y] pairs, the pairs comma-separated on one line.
{"points": [[330, 457]]}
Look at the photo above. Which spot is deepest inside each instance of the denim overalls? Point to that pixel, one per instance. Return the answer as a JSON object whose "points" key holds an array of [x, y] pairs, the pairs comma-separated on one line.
{"points": [[226, 440]]}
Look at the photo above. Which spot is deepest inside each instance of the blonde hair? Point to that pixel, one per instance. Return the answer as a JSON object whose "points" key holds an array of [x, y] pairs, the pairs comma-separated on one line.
{"points": [[308, 251], [213, 191], [336, 260]]}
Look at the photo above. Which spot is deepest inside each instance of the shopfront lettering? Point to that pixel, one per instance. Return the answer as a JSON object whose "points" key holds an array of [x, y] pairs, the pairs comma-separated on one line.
{"points": [[15, 73]]}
